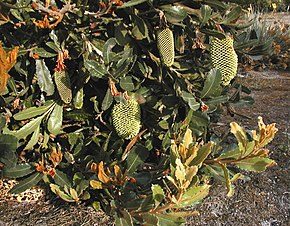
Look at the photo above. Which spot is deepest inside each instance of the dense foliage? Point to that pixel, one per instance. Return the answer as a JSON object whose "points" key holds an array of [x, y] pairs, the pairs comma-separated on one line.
{"points": [[99, 108]]}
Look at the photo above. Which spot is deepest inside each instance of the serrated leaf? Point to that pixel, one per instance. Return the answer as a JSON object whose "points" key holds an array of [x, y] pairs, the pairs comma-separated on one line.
{"points": [[202, 154], [212, 84], [44, 77], [132, 3], [107, 50], [255, 164], [190, 99], [205, 14], [140, 30], [44, 53], [158, 194], [19, 170], [54, 123], [174, 14], [61, 179], [27, 183], [136, 157], [28, 128], [95, 68], [127, 84], [79, 99], [8, 145], [124, 218], [32, 112], [193, 196], [34, 139], [233, 15], [108, 100], [2, 122]]}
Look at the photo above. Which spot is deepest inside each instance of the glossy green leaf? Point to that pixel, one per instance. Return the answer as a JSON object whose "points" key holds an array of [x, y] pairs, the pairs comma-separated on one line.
{"points": [[132, 3], [107, 50], [123, 218], [255, 164], [28, 128], [108, 100], [61, 179], [78, 100], [44, 53], [54, 122], [44, 77], [95, 68], [205, 13], [202, 154], [2, 122], [20, 170], [32, 112], [158, 194], [233, 15], [34, 139], [174, 14], [193, 196], [190, 99], [27, 183], [136, 157], [212, 84], [127, 84], [8, 145], [140, 30]]}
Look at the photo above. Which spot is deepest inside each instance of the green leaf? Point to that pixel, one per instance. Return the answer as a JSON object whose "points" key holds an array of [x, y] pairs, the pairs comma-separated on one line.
{"points": [[169, 219], [132, 3], [2, 122], [174, 14], [79, 99], [136, 157], [27, 183], [193, 196], [44, 77], [123, 218], [61, 193], [44, 53], [62, 179], [107, 50], [190, 99], [202, 154], [19, 170], [212, 84], [32, 112], [255, 164], [217, 100], [140, 30], [95, 68], [233, 15], [158, 194], [229, 185], [8, 145], [205, 12], [28, 128], [108, 100], [127, 84], [34, 139], [231, 154], [54, 123]]}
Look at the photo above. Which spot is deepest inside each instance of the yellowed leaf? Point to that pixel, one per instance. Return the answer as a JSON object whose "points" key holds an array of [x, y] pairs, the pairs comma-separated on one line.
{"points": [[103, 177]]}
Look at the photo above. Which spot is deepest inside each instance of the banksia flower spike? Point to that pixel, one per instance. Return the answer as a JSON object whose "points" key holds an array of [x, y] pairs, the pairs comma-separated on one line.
{"points": [[126, 116], [165, 42], [61, 78], [224, 57]]}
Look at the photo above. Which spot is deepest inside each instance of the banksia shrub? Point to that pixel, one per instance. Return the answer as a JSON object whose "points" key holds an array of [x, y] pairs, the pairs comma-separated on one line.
{"points": [[224, 58], [65, 119], [126, 118]]}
